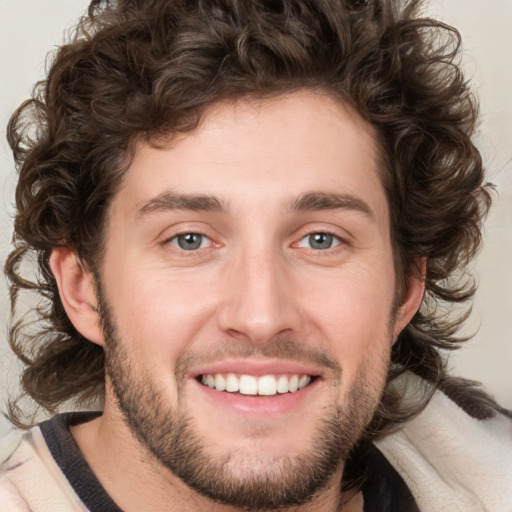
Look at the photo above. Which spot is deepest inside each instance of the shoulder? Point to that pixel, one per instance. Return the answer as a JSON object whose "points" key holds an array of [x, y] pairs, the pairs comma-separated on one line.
{"points": [[10, 498], [30, 480], [451, 461]]}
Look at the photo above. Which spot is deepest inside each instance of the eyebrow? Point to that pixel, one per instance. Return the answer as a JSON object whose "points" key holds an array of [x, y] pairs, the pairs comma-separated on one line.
{"points": [[316, 201], [174, 201], [308, 202]]}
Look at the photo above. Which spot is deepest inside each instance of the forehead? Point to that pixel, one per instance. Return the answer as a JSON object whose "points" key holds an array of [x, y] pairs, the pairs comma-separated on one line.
{"points": [[253, 150]]}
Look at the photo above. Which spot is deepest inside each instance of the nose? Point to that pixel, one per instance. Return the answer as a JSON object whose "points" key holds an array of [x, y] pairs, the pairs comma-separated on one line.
{"points": [[259, 301]]}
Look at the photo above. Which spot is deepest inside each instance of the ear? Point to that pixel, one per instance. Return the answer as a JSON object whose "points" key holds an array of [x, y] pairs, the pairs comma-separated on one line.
{"points": [[413, 297], [77, 293]]}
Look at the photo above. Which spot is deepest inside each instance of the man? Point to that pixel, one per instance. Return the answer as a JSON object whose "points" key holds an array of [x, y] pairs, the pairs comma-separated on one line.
{"points": [[245, 216]]}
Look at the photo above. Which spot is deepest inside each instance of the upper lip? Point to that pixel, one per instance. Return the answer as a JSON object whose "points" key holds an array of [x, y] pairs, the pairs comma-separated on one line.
{"points": [[256, 367]]}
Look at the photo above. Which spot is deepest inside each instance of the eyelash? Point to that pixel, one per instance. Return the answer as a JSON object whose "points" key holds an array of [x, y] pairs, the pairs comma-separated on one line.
{"points": [[176, 237], [174, 242], [335, 239]]}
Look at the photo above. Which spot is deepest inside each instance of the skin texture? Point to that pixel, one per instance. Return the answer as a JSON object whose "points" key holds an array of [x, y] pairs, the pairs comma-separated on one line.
{"points": [[255, 297]]}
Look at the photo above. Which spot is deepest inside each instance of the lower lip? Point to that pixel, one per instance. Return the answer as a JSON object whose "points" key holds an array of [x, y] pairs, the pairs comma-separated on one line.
{"points": [[258, 405]]}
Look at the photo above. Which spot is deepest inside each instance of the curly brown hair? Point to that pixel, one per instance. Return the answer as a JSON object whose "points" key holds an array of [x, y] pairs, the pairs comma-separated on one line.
{"points": [[149, 68]]}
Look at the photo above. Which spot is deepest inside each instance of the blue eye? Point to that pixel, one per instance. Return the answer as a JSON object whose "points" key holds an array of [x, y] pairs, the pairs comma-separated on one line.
{"points": [[319, 241], [190, 241]]}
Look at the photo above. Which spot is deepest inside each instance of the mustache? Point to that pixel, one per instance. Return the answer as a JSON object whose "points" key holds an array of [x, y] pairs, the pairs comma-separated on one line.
{"points": [[286, 349]]}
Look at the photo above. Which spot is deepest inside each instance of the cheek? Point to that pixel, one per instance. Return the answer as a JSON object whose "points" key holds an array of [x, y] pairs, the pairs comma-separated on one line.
{"points": [[353, 316], [154, 308]]}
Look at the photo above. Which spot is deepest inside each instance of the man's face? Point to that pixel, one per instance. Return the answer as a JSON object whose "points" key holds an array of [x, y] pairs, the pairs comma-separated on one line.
{"points": [[252, 255]]}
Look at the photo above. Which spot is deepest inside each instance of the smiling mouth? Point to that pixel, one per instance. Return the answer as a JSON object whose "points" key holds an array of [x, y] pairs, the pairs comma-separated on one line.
{"points": [[265, 385]]}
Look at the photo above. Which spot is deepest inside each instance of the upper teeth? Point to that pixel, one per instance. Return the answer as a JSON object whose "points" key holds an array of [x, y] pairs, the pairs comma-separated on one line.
{"points": [[249, 385]]}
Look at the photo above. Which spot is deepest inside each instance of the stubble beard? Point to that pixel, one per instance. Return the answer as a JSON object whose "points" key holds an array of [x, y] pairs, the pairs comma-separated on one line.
{"points": [[270, 483]]}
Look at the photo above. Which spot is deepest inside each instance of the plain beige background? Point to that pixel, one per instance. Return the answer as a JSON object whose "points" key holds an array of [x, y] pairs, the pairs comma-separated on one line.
{"points": [[29, 28]]}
